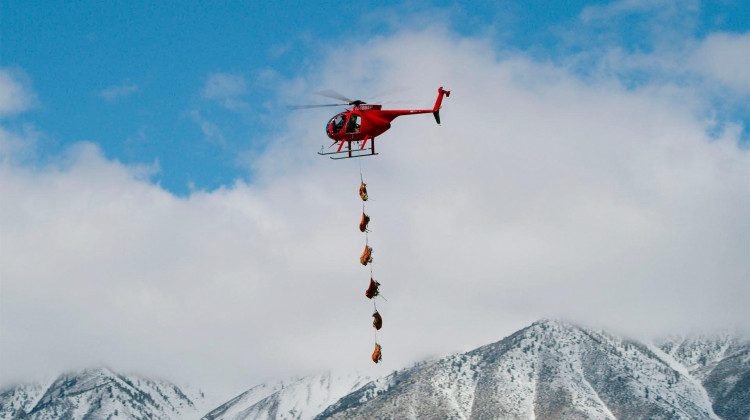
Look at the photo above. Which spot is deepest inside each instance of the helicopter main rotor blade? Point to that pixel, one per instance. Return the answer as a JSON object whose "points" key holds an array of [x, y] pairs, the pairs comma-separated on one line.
{"points": [[388, 92], [329, 93], [314, 106]]}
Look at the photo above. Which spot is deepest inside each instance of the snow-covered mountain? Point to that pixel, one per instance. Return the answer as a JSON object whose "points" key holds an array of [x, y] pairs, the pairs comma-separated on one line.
{"points": [[97, 394], [298, 399], [549, 370], [21, 399], [722, 365]]}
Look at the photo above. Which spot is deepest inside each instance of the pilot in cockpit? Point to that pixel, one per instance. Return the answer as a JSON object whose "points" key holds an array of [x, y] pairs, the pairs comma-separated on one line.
{"points": [[337, 123]]}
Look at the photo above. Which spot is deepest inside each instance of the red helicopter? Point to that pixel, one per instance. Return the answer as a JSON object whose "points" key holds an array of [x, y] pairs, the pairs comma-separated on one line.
{"points": [[364, 122]]}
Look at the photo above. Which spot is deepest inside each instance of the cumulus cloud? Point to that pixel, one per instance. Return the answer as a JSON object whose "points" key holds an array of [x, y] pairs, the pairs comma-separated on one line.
{"points": [[725, 57], [16, 94], [18, 146], [541, 195]]}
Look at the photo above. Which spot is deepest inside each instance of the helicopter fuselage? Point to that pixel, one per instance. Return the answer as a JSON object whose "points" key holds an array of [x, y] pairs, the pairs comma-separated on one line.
{"points": [[366, 121]]}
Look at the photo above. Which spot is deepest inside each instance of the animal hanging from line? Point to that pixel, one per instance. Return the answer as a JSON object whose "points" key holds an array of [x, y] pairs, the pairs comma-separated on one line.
{"points": [[363, 190], [376, 355], [364, 259], [364, 222], [366, 256], [372, 290], [377, 320]]}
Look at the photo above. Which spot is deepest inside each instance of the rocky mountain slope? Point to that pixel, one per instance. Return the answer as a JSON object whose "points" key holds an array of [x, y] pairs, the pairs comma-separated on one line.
{"points": [[722, 365]]}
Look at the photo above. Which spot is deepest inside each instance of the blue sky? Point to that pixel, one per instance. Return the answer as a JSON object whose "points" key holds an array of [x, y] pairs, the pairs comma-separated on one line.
{"points": [[129, 76]]}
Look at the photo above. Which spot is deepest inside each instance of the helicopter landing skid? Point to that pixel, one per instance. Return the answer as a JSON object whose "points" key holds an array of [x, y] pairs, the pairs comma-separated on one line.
{"points": [[349, 153], [355, 156]]}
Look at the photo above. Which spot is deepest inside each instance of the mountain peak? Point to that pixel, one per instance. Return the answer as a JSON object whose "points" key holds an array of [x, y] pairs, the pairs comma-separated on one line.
{"points": [[548, 326], [100, 393], [550, 369], [299, 398]]}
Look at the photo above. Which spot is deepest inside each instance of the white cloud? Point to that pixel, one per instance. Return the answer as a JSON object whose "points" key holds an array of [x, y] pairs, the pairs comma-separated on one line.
{"points": [[16, 94], [17, 143], [626, 7], [114, 93], [211, 131], [18, 146], [725, 57], [224, 85], [539, 196], [227, 89]]}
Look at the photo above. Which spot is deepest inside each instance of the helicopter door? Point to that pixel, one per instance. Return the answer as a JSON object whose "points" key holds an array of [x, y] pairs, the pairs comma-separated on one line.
{"points": [[336, 125], [353, 125]]}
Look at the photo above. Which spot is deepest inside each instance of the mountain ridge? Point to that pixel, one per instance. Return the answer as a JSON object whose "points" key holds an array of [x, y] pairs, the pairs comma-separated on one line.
{"points": [[549, 369], [99, 393]]}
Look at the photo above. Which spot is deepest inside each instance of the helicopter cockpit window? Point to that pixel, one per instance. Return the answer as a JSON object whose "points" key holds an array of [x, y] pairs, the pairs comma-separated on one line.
{"points": [[337, 123], [353, 125]]}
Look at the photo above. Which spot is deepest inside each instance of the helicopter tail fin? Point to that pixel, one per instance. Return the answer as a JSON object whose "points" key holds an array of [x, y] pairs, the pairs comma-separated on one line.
{"points": [[438, 102]]}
